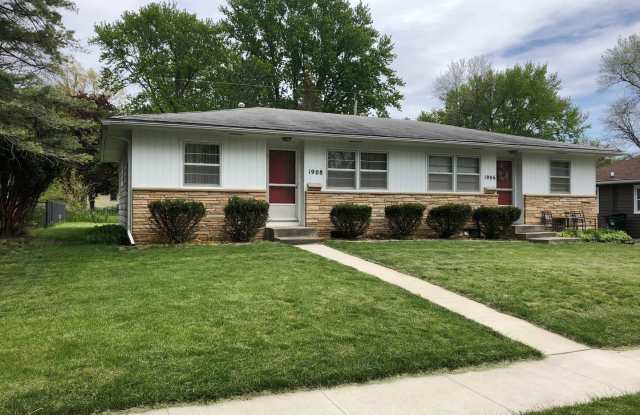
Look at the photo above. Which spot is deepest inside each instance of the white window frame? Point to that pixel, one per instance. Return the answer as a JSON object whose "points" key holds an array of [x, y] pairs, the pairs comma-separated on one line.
{"points": [[636, 199], [354, 170], [478, 174], [360, 169], [183, 163], [454, 173], [560, 177]]}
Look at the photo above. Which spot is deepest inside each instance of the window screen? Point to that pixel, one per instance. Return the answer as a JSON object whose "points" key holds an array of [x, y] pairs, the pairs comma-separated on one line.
{"points": [[202, 164], [560, 177]]}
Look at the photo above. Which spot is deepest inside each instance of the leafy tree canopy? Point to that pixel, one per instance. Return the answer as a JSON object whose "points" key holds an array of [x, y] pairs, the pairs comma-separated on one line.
{"points": [[40, 130], [318, 55], [32, 34], [174, 58], [523, 100], [621, 66]]}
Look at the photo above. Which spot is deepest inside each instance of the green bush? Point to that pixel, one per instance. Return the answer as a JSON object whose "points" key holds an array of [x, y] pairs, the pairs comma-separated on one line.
{"points": [[404, 219], [598, 235], [176, 219], [98, 215], [495, 222], [243, 218], [107, 234], [350, 220], [449, 220]]}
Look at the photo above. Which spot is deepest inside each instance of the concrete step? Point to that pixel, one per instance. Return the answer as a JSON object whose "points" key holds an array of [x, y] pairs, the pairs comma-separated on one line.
{"points": [[297, 240], [528, 228], [274, 232], [530, 235], [554, 240]]}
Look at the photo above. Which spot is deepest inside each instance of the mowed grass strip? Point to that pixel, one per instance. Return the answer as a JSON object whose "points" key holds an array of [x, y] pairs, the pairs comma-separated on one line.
{"points": [[586, 291], [624, 405], [87, 328]]}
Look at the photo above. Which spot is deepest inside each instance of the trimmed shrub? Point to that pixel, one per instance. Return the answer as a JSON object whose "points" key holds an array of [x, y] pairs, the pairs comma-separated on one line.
{"points": [[350, 220], [449, 220], [244, 217], [495, 222], [404, 219], [107, 234], [176, 219], [599, 235]]}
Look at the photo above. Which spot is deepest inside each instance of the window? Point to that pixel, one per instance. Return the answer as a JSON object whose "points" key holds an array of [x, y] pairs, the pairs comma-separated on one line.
{"points": [[373, 170], [560, 177], [467, 174], [636, 199], [202, 164], [440, 173], [341, 169]]}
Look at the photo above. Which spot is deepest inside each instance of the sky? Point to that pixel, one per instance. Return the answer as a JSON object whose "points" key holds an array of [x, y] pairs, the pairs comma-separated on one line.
{"points": [[570, 36]]}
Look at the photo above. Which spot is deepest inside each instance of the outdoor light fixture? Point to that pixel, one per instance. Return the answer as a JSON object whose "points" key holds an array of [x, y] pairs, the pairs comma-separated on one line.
{"points": [[286, 139]]}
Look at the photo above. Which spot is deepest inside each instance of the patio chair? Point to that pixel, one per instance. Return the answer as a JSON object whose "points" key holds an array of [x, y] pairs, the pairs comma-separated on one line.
{"points": [[576, 220], [546, 218]]}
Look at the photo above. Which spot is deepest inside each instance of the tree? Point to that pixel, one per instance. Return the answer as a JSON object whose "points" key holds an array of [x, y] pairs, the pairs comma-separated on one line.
{"points": [[38, 137], [95, 177], [523, 100], [32, 35], [321, 55], [621, 66], [176, 60], [38, 129]]}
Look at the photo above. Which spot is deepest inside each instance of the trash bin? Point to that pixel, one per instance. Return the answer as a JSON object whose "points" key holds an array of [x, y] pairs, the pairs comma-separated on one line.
{"points": [[617, 221]]}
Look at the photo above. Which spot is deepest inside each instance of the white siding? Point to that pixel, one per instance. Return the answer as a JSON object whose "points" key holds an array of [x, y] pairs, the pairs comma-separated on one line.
{"points": [[536, 172], [157, 159], [157, 162], [407, 164]]}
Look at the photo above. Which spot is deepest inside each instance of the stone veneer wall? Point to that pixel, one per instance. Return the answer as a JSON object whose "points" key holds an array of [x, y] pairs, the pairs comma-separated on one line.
{"points": [[209, 229], [319, 203], [558, 205]]}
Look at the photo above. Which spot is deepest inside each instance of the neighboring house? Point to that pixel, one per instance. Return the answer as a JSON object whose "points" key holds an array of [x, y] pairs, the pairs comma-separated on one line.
{"points": [[303, 163], [619, 192]]}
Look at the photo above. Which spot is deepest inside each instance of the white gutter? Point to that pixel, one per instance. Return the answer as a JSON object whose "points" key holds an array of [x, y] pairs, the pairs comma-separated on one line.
{"points": [[365, 137], [619, 182]]}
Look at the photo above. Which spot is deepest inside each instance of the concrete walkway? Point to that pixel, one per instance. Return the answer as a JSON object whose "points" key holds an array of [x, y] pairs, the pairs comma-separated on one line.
{"points": [[569, 374], [555, 381], [512, 327]]}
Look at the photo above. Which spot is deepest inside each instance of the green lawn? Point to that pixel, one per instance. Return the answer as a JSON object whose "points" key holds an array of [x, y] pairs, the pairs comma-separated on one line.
{"points": [[586, 291], [91, 327], [625, 405]]}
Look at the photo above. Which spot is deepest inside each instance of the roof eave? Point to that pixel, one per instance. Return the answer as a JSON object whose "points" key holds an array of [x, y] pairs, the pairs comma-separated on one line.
{"points": [[138, 123]]}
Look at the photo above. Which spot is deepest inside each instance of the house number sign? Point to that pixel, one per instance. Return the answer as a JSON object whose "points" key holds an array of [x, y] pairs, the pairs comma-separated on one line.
{"points": [[315, 172], [489, 177]]}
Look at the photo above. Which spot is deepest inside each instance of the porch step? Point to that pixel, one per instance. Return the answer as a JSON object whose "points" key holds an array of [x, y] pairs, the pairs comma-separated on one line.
{"points": [[292, 234], [553, 240], [532, 235], [528, 228]]}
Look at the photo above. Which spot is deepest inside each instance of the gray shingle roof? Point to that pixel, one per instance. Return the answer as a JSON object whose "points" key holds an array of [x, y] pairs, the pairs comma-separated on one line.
{"points": [[293, 121]]}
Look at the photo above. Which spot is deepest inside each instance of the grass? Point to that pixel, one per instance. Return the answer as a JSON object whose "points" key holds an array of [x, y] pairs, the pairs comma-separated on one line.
{"points": [[625, 405], [87, 328], [586, 291]]}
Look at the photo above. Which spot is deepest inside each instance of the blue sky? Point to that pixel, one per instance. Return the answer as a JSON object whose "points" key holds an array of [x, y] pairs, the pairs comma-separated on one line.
{"points": [[569, 36]]}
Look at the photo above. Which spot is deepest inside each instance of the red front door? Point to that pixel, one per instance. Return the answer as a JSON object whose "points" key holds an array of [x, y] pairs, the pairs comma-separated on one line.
{"points": [[504, 170], [282, 176]]}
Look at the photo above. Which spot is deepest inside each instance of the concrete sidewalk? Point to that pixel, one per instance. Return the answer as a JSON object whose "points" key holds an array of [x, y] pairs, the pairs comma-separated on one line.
{"points": [[555, 381], [570, 373]]}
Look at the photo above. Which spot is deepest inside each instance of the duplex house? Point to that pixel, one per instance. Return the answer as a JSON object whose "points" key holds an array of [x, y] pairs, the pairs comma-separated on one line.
{"points": [[303, 163]]}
